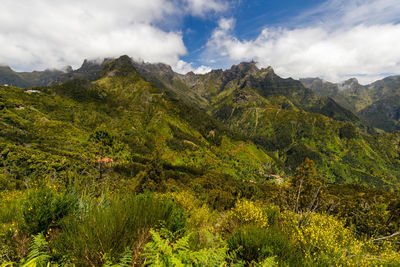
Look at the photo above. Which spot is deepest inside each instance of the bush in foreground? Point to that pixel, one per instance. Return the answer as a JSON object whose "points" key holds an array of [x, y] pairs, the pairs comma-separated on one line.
{"points": [[122, 224]]}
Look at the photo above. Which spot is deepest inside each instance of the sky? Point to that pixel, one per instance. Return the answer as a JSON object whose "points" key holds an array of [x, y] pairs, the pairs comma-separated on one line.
{"points": [[331, 39]]}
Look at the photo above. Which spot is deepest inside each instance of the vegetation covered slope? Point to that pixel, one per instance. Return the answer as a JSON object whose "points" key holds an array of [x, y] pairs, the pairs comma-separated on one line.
{"points": [[60, 120], [377, 104], [246, 127], [287, 120], [118, 171], [27, 79]]}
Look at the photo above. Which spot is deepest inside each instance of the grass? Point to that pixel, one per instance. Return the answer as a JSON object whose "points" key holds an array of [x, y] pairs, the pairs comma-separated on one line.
{"points": [[120, 224]]}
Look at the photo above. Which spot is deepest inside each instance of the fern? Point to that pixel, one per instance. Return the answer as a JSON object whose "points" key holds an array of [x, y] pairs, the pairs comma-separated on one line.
{"points": [[268, 262], [164, 252], [125, 260], [158, 252], [38, 255]]}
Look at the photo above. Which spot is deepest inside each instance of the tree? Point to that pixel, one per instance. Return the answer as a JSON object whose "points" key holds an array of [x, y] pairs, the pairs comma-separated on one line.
{"points": [[306, 188]]}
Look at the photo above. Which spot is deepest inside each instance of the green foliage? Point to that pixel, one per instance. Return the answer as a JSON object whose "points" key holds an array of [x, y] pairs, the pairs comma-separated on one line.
{"points": [[43, 209], [370, 212], [153, 177], [162, 251], [125, 260], [102, 138], [348, 131], [305, 188], [119, 225], [250, 244], [80, 90], [297, 154], [254, 244], [283, 137], [28, 166], [38, 255], [211, 142]]}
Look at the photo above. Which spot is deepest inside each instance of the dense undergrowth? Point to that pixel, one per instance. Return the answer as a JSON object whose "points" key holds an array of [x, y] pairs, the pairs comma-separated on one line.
{"points": [[117, 173], [308, 225]]}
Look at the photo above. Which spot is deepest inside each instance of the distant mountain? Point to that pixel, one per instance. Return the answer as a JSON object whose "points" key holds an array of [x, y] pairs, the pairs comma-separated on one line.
{"points": [[28, 79], [373, 105], [376, 104], [90, 70], [209, 90], [243, 123]]}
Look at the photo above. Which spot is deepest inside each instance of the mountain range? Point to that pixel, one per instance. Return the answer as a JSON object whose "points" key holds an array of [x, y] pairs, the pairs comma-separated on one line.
{"points": [[243, 122], [377, 104]]}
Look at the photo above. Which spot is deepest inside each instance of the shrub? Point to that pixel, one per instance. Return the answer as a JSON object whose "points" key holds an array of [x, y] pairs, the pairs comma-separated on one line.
{"points": [[43, 209], [282, 248], [199, 215], [111, 229], [248, 212], [321, 238], [250, 244], [256, 244]]}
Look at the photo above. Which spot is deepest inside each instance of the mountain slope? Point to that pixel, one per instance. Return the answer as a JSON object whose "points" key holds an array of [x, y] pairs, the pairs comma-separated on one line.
{"points": [[377, 104], [56, 126], [27, 79], [209, 89], [239, 128]]}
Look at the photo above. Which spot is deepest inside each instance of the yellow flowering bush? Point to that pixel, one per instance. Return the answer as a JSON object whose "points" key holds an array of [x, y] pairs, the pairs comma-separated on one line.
{"points": [[185, 199], [382, 253], [318, 234], [199, 215], [246, 211], [10, 195], [10, 207], [324, 239]]}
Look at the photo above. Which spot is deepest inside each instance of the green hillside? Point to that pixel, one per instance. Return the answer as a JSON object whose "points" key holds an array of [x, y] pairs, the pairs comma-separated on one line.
{"points": [[60, 120], [129, 162], [27, 79], [377, 104]]}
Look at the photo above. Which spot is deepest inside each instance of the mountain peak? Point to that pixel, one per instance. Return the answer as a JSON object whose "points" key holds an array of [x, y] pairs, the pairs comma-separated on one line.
{"points": [[245, 67], [122, 66], [153, 67], [90, 63], [351, 81], [348, 84]]}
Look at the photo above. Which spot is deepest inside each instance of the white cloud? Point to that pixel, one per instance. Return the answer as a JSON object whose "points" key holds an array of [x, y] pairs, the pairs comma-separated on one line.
{"points": [[200, 7], [347, 13], [349, 40], [184, 67], [46, 33]]}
